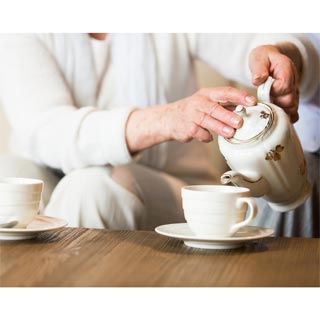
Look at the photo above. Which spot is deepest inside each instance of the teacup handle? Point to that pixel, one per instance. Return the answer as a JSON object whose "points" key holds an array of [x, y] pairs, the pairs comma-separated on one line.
{"points": [[253, 210], [264, 90]]}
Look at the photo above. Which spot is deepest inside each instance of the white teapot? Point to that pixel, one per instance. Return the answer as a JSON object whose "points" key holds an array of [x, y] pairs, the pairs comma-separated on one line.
{"points": [[266, 156]]}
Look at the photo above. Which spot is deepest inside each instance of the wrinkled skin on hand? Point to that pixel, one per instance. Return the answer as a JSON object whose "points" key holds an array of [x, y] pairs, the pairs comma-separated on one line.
{"points": [[197, 116], [267, 61]]}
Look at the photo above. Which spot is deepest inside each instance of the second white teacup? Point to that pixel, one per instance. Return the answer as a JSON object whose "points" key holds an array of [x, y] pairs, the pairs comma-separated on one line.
{"points": [[20, 200], [217, 211]]}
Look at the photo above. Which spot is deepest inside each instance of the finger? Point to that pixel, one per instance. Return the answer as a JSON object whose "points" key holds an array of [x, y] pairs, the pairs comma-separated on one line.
{"points": [[259, 65], [285, 78], [226, 95], [289, 102], [202, 134], [215, 110], [295, 117], [289, 105], [214, 125]]}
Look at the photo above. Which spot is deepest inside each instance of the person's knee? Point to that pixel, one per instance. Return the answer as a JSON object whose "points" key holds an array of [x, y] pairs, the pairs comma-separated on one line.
{"points": [[126, 177], [158, 191], [93, 199]]}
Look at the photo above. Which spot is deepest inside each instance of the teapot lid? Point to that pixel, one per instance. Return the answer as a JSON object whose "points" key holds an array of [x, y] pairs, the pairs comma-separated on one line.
{"points": [[256, 122], [257, 119]]}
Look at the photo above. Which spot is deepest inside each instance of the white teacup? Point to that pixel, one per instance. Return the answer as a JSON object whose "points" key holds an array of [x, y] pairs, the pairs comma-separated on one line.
{"points": [[218, 211], [19, 200]]}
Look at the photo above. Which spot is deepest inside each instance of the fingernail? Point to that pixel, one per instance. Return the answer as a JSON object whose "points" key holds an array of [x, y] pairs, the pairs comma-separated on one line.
{"points": [[228, 131], [235, 121], [250, 99], [256, 76]]}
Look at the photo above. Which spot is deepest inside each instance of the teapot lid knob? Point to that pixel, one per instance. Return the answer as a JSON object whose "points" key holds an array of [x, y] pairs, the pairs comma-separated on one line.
{"points": [[264, 90], [241, 110]]}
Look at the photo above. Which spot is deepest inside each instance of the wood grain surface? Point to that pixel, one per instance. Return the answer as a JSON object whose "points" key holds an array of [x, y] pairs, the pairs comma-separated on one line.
{"points": [[101, 258]]}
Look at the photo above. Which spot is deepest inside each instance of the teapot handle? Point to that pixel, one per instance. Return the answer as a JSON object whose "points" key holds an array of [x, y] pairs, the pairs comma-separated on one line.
{"points": [[264, 90]]}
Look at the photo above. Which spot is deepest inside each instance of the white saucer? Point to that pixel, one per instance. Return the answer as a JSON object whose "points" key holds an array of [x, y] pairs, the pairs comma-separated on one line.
{"points": [[38, 225], [183, 232]]}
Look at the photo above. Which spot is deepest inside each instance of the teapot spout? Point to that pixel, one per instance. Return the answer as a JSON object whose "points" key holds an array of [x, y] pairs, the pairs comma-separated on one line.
{"points": [[257, 187]]}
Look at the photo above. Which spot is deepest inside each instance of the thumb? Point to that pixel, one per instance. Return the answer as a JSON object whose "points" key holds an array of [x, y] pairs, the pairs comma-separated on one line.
{"points": [[259, 65]]}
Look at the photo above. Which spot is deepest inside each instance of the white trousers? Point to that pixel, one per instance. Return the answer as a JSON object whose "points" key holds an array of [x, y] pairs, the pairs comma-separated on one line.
{"points": [[125, 197]]}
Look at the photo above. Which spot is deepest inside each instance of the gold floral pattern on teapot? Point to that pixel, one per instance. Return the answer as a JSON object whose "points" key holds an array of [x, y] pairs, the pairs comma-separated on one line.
{"points": [[264, 115], [275, 154]]}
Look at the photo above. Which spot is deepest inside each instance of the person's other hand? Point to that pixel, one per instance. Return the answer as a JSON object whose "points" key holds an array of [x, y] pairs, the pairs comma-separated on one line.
{"points": [[197, 116], [267, 61]]}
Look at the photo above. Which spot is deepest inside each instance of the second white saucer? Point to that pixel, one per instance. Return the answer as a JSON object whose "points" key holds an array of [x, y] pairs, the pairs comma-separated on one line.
{"points": [[38, 225], [183, 232]]}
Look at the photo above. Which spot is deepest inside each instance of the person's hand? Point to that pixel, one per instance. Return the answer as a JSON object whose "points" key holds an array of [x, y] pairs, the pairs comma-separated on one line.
{"points": [[267, 61], [195, 117]]}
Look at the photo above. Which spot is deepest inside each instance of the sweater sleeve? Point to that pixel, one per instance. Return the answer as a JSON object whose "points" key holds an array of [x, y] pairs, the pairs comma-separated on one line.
{"points": [[228, 53], [47, 126]]}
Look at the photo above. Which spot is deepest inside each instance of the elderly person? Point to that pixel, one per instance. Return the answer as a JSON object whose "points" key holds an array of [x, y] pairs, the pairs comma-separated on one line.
{"points": [[104, 119]]}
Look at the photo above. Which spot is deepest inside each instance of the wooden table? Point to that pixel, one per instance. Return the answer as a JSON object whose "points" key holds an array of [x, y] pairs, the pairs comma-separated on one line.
{"points": [[88, 257]]}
